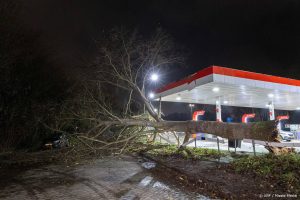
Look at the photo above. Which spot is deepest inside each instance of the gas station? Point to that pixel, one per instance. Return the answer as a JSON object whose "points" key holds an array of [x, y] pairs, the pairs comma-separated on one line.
{"points": [[222, 86]]}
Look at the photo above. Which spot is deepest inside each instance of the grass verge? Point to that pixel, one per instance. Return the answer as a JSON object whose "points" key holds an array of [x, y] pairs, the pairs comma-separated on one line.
{"points": [[282, 170], [185, 153]]}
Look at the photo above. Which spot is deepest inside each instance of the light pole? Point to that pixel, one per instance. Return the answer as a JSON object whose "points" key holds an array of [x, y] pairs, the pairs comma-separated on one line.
{"points": [[191, 107], [153, 78]]}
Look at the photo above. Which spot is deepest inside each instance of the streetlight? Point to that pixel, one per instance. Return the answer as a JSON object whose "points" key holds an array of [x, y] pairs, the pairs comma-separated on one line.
{"points": [[151, 95], [154, 77]]}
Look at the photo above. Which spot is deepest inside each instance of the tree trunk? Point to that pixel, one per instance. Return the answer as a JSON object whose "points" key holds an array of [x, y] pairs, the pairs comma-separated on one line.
{"points": [[186, 138], [258, 130], [278, 150]]}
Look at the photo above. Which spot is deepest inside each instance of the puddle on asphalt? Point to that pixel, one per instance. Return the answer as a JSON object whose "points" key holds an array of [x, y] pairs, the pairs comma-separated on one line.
{"points": [[147, 183], [149, 165]]}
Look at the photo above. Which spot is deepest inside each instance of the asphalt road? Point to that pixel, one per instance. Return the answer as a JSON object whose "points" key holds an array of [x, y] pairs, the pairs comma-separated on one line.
{"points": [[108, 178]]}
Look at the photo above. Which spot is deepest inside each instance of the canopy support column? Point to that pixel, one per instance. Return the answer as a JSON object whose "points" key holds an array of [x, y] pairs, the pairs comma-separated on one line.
{"points": [[219, 110], [271, 110]]}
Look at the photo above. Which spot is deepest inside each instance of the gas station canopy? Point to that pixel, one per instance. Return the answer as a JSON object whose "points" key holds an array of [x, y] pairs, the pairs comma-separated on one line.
{"points": [[233, 88]]}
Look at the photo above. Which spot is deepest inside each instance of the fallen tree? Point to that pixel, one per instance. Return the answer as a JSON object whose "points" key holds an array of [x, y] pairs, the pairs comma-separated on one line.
{"points": [[123, 65], [258, 131], [118, 134], [278, 150]]}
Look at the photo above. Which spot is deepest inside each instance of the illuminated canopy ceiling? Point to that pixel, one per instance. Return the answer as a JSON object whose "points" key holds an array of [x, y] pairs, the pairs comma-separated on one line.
{"points": [[233, 88]]}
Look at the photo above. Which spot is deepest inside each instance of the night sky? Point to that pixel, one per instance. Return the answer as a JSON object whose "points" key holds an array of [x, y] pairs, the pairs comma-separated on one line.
{"points": [[260, 36]]}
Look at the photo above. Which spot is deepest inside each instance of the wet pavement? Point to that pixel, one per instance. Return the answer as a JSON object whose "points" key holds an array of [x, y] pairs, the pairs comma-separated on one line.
{"points": [[108, 178]]}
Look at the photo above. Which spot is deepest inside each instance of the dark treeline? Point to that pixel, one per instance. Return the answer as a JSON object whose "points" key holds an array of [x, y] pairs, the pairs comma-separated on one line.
{"points": [[31, 86], [38, 93]]}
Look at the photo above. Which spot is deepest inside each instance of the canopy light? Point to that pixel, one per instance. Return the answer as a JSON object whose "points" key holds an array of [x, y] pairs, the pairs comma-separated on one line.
{"points": [[298, 108], [225, 102], [216, 89], [178, 98], [271, 95], [191, 105]]}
